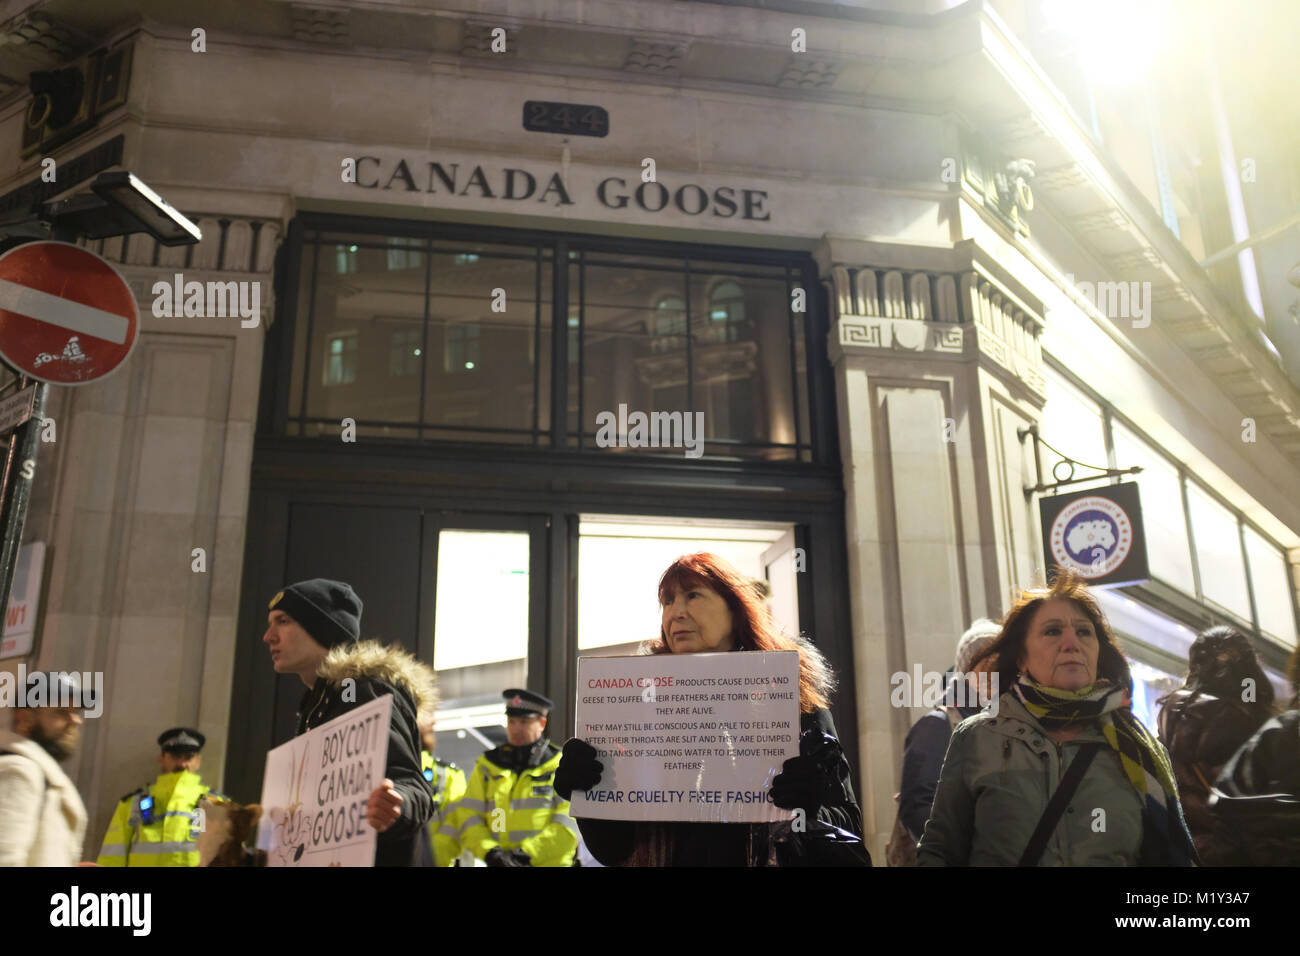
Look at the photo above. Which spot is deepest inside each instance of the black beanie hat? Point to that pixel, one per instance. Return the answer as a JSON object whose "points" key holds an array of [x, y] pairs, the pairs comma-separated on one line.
{"points": [[329, 611]]}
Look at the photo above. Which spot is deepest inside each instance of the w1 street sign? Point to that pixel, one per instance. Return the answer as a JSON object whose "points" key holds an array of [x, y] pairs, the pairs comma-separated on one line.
{"points": [[16, 409], [66, 315]]}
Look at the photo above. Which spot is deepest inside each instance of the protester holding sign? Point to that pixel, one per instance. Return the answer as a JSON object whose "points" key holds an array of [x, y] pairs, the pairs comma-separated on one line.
{"points": [[314, 630], [1062, 773], [708, 606]]}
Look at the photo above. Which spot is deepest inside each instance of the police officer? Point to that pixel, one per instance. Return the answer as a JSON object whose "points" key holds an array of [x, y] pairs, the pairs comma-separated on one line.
{"points": [[448, 781], [510, 814], [158, 826]]}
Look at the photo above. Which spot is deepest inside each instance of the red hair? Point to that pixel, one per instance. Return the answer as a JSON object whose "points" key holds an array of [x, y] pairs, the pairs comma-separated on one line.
{"points": [[752, 628]]}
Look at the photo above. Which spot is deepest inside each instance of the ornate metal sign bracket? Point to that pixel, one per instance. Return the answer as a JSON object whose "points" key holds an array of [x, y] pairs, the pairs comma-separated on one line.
{"points": [[1064, 476]]}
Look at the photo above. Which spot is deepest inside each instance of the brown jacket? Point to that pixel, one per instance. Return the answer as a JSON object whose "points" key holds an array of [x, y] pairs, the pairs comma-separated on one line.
{"points": [[1201, 735]]}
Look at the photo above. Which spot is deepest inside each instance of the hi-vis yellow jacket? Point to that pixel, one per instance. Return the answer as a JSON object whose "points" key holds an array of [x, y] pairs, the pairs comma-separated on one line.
{"points": [[448, 782], [169, 840], [517, 809]]}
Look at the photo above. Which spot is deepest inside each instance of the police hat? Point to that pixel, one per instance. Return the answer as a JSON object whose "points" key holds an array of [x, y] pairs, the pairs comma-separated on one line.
{"points": [[181, 740], [526, 703]]}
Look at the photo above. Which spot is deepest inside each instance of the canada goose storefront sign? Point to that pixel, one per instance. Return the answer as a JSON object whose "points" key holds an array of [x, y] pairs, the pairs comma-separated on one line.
{"points": [[1098, 534], [464, 182]]}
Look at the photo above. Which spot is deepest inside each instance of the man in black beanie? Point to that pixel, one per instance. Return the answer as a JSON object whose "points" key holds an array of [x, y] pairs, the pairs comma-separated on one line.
{"points": [[314, 631]]}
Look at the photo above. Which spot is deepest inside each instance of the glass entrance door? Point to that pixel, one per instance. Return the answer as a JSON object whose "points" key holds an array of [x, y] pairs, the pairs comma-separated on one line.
{"points": [[482, 622]]}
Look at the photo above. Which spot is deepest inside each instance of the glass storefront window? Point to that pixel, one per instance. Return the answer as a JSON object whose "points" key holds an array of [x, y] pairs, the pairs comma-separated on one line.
{"points": [[411, 344], [480, 631], [1073, 425], [690, 337], [482, 343], [620, 561], [341, 359], [1149, 685], [404, 351], [1168, 552], [654, 333], [345, 259], [404, 254], [1218, 552], [366, 322], [1271, 583]]}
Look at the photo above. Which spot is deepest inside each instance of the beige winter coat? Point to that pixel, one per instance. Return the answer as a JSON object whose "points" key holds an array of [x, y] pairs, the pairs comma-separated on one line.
{"points": [[42, 818]]}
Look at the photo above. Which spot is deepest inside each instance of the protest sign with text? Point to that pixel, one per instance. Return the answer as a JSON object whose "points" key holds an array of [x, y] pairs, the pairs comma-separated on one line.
{"points": [[694, 737], [315, 790]]}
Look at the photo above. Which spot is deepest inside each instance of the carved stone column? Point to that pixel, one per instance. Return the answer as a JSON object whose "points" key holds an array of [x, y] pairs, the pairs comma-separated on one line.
{"points": [[937, 362]]}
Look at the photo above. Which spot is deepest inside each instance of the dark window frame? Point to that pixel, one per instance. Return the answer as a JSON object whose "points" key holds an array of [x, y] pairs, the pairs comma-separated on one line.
{"points": [[309, 231]]}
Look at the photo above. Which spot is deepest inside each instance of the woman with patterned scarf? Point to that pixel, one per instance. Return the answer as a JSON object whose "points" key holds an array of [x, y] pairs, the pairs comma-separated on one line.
{"points": [[1068, 699]]}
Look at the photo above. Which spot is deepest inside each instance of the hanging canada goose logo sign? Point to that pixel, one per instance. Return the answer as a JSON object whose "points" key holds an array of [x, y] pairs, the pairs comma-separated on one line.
{"points": [[1097, 534]]}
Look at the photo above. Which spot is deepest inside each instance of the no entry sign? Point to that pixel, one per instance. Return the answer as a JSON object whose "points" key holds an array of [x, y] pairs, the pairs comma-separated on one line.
{"points": [[66, 315]]}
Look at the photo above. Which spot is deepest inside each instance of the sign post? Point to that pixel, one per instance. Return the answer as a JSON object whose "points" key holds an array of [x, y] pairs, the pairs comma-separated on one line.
{"points": [[66, 317]]}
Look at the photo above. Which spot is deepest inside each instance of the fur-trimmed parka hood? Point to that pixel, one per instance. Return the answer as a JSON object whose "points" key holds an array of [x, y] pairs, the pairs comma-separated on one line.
{"points": [[387, 663], [354, 675]]}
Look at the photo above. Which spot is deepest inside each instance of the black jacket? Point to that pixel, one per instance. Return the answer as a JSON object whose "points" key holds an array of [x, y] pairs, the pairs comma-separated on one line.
{"points": [[627, 843], [923, 753], [380, 670], [1257, 797]]}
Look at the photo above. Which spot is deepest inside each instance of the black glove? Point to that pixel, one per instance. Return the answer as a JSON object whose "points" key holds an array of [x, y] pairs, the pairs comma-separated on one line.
{"points": [[811, 780], [521, 858], [499, 857], [578, 770]]}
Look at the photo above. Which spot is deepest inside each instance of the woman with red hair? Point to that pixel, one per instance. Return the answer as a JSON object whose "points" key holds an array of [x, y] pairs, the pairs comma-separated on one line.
{"points": [[707, 606]]}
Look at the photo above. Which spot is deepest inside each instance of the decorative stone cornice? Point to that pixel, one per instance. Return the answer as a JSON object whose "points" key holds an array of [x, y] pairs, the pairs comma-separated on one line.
{"points": [[232, 248], [804, 73], [41, 34], [654, 57], [320, 24], [902, 335], [229, 244], [969, 314], [476, 38], [1065, 176]]}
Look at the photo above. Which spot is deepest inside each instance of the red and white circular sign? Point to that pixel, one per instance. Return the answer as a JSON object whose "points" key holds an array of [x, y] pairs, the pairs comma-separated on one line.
{"points": [[66, 315]]}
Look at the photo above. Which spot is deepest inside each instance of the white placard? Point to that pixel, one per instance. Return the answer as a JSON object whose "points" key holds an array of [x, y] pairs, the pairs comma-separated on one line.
{"points": [[24, 602], [692, 737], [315, 790]]}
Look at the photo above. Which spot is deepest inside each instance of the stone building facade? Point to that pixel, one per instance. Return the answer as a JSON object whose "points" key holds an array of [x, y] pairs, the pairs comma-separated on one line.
{"points": [[881, 170]]}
